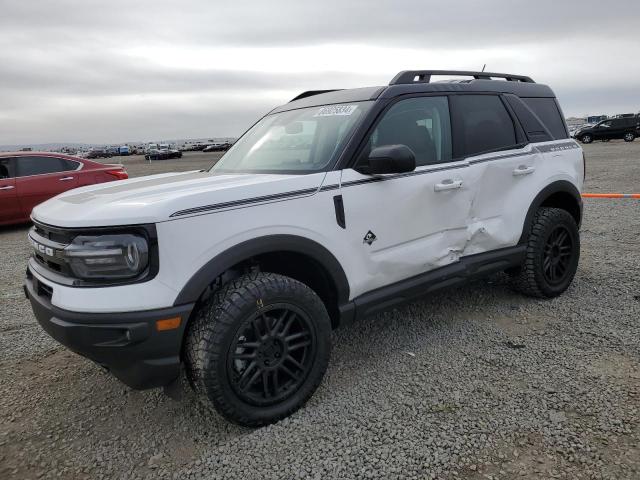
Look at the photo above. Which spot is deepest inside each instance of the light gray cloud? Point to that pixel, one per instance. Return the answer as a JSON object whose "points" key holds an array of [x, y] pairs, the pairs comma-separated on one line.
{"points": [[81, 70]]}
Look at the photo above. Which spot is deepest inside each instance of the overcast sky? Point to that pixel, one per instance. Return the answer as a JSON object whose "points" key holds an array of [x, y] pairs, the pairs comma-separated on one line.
{"points": [[119, 71]]}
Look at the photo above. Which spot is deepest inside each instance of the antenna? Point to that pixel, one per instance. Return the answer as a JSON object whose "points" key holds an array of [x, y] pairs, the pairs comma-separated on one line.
{"points": [[484, 66]]}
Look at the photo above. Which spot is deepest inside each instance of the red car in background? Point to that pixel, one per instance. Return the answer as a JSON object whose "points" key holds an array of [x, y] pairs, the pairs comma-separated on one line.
{"points": [[30, 178]]}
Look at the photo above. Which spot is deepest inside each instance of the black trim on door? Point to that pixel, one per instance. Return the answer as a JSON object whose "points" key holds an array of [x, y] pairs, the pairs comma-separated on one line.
{"points": [[468, 268]]}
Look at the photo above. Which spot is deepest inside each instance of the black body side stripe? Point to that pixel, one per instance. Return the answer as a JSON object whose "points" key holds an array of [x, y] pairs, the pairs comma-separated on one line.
{"points": [[325, 188], [244, 201]]}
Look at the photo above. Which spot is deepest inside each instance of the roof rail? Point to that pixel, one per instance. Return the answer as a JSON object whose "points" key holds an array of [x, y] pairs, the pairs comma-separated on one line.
{"points": [[311, 93], [424, 76]]}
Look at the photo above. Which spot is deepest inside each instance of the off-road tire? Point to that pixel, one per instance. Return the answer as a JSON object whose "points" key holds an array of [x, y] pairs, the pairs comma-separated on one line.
{"points": [[586, 138], [212, 339], [532, 278]]}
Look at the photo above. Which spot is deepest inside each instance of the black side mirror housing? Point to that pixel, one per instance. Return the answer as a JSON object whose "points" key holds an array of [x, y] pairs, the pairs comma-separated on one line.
{"points": [[389, 159]]}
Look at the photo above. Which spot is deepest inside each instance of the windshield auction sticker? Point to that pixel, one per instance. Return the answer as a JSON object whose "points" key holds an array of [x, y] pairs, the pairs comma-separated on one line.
{"points": [[333, 110]]}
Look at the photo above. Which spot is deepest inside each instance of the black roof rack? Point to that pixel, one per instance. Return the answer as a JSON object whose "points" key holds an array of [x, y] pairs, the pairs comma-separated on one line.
{"points": [[424, 76], [311, 93]]}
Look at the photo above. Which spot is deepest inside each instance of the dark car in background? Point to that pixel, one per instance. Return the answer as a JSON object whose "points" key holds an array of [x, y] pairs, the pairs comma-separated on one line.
{"points": [[217, 147], [162, 154], [626, 128], [30, 178], [99, 153]]}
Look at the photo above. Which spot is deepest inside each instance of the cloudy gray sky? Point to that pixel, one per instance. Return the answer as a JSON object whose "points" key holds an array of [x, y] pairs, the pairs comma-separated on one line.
{"points": [[116, 71]]}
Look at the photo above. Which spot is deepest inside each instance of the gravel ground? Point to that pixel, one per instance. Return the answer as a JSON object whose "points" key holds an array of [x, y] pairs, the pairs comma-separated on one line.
{"points": [[474, 383]]}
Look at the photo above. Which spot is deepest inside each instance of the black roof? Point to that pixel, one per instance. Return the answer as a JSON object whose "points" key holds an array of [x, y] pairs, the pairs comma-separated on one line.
{"points": [[419, 81]]}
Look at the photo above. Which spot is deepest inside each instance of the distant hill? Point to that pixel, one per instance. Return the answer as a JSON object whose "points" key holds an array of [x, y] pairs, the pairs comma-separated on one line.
{"points": [[44, 146]]}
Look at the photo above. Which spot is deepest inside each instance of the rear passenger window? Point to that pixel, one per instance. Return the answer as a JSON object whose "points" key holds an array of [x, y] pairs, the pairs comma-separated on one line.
{"points": [[547, 110], [422, 124], [70, 164], [39, 165], [482, 124]]}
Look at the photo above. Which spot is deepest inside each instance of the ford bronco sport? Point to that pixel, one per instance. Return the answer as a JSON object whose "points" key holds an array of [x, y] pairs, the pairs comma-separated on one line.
{"points": [[332, 207]]}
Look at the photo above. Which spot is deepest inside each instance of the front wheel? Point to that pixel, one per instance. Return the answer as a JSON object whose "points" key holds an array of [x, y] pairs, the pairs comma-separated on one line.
{"points": [[552, 255], [629, 137], [259, 348], [586, 138]]}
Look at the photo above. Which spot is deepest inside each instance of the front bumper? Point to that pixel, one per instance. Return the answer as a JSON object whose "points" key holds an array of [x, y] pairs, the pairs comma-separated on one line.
{"points": [[127, 344]]}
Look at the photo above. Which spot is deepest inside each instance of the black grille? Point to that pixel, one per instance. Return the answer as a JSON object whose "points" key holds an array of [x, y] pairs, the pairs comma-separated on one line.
{"points": [[60, 236], [54, 234]]}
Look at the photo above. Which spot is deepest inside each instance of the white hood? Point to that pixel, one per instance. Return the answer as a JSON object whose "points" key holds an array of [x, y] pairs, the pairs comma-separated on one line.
{"points": [[155, 198]]}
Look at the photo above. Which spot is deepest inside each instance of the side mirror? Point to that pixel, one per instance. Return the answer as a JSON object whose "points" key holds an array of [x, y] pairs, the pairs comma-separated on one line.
{"points": [[389, 159]]}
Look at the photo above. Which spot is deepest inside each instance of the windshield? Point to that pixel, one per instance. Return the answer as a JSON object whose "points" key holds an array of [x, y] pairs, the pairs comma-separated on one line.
{"points": [[297, 141]]}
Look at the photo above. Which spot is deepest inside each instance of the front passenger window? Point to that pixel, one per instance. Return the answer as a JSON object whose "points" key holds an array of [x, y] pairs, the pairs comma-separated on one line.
{"points": [[422, 124], [29, 165]]}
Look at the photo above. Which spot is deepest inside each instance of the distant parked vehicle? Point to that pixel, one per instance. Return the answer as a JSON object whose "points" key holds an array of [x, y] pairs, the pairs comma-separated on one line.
{"points": [[29, 178], [627, 128], [217, 147], [163, 154], [98, 153], [124, 150]]}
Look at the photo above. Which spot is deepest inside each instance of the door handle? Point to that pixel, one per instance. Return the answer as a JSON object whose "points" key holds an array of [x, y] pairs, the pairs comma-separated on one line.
{"points": [[66, 179], [523, 170], [447, 185], [8, 187]]}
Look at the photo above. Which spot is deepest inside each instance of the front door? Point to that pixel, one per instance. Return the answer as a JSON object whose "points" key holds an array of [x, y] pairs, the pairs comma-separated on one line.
{"points": [[605, 130], [401, 225]]}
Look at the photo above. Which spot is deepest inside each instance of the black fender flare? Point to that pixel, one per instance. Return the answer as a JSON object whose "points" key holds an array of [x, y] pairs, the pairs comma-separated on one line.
{"points": [[211, 270], [560, 186]]}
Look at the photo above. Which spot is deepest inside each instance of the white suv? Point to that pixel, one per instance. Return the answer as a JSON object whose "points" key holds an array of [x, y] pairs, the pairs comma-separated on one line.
{"points": [[334, 206]]}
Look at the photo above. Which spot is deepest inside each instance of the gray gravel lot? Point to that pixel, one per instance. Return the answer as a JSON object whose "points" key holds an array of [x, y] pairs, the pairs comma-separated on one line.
{"points": [[476, 382]]}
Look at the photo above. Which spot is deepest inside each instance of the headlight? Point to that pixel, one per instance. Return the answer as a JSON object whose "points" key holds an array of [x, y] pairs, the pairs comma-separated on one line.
{"points": [[109, 257]]}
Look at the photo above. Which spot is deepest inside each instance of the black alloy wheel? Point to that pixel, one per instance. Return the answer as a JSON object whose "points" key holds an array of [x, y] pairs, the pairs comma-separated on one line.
{"points": [[558, 251], [272, 354], [552, 254], [258, 348]]}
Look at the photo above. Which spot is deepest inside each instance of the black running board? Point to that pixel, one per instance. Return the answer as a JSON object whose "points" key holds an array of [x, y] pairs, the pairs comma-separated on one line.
{"points": [[467, 268]]}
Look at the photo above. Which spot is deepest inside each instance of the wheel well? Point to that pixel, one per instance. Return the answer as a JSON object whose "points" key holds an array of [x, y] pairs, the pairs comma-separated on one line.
{"points": [[306, 270], [561, 194], [565, 201], [295, 265]]}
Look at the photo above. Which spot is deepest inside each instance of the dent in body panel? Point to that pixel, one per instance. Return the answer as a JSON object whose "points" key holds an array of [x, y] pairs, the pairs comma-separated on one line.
{"points": [[500, 198]]}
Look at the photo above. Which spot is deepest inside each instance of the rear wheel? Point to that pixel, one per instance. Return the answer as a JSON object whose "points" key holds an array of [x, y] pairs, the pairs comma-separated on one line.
{"points": [[259, 348], [586, 138], [629, 137], [553, 252]]}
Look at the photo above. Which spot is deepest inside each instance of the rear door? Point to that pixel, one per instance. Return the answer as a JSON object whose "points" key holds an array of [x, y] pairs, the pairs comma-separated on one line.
{"points": [[40, 177], [618, 127], [9, 205], [501, 165]]}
